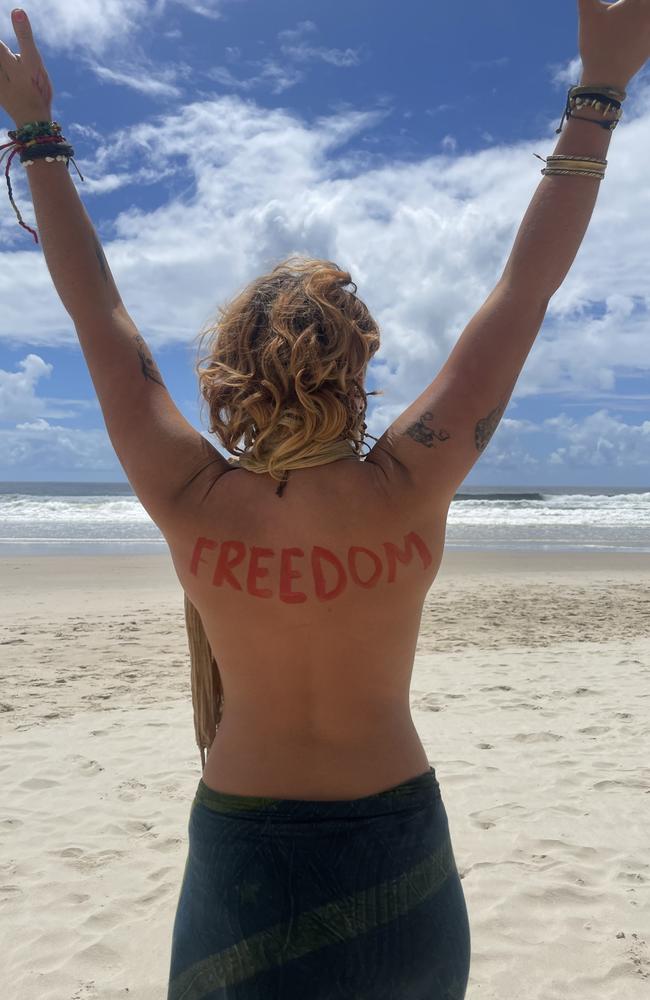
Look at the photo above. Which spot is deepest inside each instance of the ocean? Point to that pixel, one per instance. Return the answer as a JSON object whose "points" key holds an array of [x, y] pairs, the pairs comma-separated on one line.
{"points": [[96, 518]]}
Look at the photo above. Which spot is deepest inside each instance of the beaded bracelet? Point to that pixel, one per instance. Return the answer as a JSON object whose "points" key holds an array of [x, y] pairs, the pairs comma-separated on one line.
{"points": [[40, 140], [605, 99]]}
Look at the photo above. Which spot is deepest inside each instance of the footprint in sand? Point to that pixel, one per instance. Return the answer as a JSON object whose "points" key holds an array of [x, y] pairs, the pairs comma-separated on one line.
{"points": [[85, 992], [89, 862], [10, 890], [130, 789], [622, 783], [131, 827], [37, 783], [428, 704], [485, 819], [545, 737], [160, 892], [639, 956], [168, 845], [630, 877], [160, 873]]}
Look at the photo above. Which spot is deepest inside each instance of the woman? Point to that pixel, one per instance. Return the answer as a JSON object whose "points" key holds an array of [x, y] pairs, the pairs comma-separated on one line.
{"points": [[320, 861]]}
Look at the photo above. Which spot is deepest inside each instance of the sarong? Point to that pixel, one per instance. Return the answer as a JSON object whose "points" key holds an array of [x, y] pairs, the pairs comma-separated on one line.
{"points": [[290, 899]]}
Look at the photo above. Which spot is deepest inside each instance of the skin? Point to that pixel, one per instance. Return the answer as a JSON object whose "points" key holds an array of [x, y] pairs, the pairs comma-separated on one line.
{"points": [[316, 693], [362, 567], [101, 257], [148, 366], [423, 433], [486, 428]]}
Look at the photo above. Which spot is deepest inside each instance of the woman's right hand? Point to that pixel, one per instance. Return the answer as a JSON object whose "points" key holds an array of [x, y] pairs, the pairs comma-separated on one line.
{"points": [[614, 40]]}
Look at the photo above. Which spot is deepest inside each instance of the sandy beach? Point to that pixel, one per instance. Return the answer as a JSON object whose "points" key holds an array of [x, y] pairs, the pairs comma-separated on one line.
{"points": [[531, 694]]}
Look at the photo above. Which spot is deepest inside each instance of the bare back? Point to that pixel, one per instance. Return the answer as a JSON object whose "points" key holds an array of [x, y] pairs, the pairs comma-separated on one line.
{"points": [[312, 604]]}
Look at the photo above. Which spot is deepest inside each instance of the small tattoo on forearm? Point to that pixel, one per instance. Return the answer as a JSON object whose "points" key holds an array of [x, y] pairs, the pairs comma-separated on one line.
{"points": [[101, 257], [426, 435], [149, 368], [485, 428]]}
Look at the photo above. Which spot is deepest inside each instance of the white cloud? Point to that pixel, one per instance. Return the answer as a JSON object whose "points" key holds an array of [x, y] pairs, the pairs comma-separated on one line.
{"points": [[273, 76], [18, 394], [295, 34], [96, 25], [601, 440], [107, 37], [37, 444], [566, 74], [143, 80], [277, 75], [17, 389], [293, 45]]}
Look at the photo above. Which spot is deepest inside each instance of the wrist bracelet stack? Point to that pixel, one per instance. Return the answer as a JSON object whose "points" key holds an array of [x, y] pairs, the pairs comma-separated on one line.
{"points": [[40, 140], [43, 140], [607, 100], [601, 98]]}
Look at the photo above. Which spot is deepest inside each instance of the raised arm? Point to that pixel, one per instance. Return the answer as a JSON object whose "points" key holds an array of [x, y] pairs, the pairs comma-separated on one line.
{"points": [[614, 44], [559, 214], [163, 456], [438, 439]]}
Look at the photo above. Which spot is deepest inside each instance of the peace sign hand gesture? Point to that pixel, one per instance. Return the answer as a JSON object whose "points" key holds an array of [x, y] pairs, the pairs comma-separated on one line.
{"points": [[25, 88], [614, 40]]}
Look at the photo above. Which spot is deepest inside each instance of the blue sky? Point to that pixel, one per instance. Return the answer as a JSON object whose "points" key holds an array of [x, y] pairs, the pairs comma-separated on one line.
{"points": [[218, 136]]}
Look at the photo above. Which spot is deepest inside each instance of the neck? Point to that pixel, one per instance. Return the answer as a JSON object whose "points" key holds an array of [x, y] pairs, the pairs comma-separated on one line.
{"points": [[324, 454]]}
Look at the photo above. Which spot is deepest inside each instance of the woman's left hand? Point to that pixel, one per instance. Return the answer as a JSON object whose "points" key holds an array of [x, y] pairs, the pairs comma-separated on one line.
{"points": [[25, 89]]}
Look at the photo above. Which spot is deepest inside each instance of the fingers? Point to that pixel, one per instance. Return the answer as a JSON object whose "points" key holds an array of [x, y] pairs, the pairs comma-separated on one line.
{"points": [[6, 55], [23, 30]]}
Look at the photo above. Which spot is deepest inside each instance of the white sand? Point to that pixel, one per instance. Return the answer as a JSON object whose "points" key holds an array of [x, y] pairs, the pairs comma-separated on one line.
{"points": [[531, 696]]}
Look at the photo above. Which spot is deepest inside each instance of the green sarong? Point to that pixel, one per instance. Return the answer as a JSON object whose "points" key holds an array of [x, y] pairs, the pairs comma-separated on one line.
{"points": [[287, 899]]}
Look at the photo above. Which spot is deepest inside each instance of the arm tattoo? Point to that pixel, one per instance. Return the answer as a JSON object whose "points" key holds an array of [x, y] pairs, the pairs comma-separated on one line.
{"points": [[149, 369], [426, 435], [485, 428], [103, 263]]}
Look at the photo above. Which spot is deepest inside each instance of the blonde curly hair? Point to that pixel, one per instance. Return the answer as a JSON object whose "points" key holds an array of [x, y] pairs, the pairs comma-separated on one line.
{"points": [[285, 364]]}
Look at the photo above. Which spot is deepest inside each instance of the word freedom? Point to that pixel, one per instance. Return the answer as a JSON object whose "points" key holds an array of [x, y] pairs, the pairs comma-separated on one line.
{"points": [[240, 567]]}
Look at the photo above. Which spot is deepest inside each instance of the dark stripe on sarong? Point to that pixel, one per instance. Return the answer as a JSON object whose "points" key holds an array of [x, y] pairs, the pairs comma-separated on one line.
{"points": [[287, 898]]}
